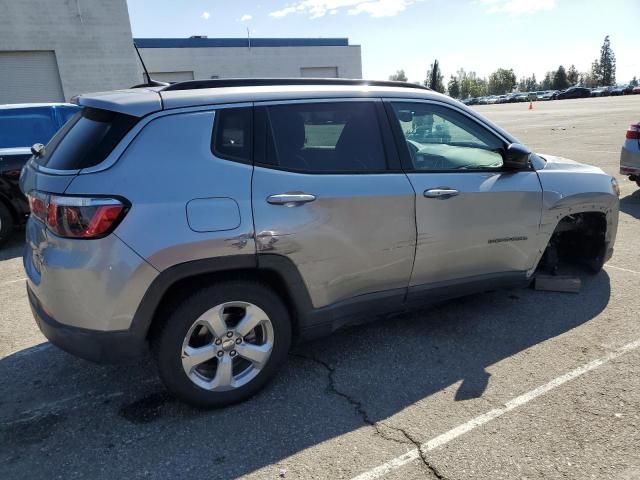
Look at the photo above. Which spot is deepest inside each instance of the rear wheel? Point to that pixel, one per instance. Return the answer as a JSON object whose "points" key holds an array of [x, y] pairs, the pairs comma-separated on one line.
{"points": [[6, 223], [222, 344]]}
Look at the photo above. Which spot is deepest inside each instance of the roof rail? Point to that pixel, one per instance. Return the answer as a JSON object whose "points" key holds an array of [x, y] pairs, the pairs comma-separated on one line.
{"points": [[270, 82]]}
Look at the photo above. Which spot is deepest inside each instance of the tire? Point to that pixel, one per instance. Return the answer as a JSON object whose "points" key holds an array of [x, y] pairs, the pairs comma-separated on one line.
{"points": [[6, 223], [192, 325], [638, 183]]}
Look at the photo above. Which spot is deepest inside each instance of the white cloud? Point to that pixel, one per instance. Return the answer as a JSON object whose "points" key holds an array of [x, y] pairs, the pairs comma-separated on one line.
{"points": [[246, 18], [205, 15], [320, 8], [518, 7]]}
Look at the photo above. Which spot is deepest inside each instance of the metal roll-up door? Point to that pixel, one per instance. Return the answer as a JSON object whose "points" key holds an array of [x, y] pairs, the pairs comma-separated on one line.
{"points": [[29, 76], [319, 72]]}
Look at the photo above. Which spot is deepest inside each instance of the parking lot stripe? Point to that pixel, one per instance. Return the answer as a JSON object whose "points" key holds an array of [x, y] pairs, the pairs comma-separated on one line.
{"points": [[13, 281], [480, 420], [623, 269]]}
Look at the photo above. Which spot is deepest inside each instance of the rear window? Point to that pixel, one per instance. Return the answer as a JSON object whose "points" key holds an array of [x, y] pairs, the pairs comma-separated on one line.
{"points": [[22, 127], [86, 139]]}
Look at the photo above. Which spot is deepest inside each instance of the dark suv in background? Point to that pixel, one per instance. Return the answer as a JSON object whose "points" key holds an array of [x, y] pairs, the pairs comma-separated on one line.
{"points": [[21, 126], [574, 92]]}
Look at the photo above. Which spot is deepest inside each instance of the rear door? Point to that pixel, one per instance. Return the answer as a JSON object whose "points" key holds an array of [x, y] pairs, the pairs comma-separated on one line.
{"points": [[475, 219], [329, 194]]}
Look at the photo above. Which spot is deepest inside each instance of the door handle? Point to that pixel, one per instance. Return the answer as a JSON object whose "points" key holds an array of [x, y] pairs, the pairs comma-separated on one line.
{"points": [[442, 193], [290, 199]]}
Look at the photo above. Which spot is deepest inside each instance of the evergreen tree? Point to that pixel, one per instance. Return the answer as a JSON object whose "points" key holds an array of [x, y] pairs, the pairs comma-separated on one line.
{"points": [[560, 81], [595, 79], [607, 63], [547, 83], [572, 75], [435, 78], [454, 87], [634, 82]]}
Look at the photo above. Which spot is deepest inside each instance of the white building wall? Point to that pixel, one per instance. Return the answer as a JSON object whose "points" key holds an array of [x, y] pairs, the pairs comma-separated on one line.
{"points": [[91, 39], [237, 62]]}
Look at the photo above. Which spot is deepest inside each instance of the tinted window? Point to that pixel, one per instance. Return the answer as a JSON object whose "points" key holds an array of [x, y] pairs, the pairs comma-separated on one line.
{"points": [[25, 126], [439, 138], [232, 136], [325, 137], [86, 139]]}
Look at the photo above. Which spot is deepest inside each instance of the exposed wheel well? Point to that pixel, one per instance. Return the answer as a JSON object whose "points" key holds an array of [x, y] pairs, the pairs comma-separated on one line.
{"points": [[578, 239], [184, 287]]}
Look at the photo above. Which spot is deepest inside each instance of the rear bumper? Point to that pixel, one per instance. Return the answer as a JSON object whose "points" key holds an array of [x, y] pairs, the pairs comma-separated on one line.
{"points": [[630, 158], [96, 346]]}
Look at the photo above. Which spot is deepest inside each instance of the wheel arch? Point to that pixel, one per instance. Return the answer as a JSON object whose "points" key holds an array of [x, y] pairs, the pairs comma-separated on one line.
{"points": [[275, 271], [594, 224]]}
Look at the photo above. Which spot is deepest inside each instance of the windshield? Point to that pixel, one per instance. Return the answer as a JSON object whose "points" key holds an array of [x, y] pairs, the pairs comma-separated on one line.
{"points": [[22, 127]]}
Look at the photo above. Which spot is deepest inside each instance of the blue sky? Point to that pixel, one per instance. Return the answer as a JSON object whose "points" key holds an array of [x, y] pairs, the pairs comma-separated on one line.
{"points": [[530, 36]]}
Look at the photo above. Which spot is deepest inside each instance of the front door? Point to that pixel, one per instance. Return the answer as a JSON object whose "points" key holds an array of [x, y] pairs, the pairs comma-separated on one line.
{"points": [[324, 196], [475, 219]]}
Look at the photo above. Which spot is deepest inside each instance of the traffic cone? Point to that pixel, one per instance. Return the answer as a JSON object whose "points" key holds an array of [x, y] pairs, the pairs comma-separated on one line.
{"points": [[530, 105]]}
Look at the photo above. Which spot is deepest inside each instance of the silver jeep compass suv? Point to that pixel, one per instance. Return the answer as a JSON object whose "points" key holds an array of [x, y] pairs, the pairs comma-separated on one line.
{"points": [[220, 221]]}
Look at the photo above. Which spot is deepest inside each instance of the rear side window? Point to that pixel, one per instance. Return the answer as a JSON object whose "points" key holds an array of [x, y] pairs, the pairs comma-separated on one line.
{"points": [[232, 137], [86, 139], [325, 137]]}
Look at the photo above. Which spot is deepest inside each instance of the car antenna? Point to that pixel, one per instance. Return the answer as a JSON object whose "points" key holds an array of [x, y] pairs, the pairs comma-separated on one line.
{"points": [[150, 81]]}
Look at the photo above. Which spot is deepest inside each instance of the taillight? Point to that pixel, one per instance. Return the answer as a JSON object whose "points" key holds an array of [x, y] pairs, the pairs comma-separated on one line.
{"points": [[634, 132], [77, 217]]}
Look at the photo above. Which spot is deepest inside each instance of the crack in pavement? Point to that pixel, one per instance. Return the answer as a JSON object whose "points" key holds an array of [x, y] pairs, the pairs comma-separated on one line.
{"points": [[360, 410], [423, 456]]}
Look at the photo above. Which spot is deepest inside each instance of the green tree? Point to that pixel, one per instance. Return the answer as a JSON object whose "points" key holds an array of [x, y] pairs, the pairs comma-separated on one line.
{"points": [[560, 81], [435, 78], [501, 81], [595, 78], [587, 79], [607, 63], [634, 82], [471, 85], [573, 75], [399, 76], [453, 87], [547, 83], [528, 84]]}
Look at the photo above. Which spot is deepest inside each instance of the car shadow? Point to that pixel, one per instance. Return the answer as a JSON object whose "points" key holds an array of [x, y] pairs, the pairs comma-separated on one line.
{"points": [[14, 246], [59, 414], [631, 204]]}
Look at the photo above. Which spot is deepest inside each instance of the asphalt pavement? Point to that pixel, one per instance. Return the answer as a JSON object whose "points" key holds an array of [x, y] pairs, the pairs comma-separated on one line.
{"points": [[516, 384]]}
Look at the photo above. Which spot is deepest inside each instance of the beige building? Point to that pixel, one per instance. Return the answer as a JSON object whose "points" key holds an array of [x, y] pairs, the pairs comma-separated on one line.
{"points": [[175, 59]]}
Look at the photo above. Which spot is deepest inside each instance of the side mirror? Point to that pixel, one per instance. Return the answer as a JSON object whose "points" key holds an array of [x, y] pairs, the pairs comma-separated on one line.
{"points": [[516, 157]]}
